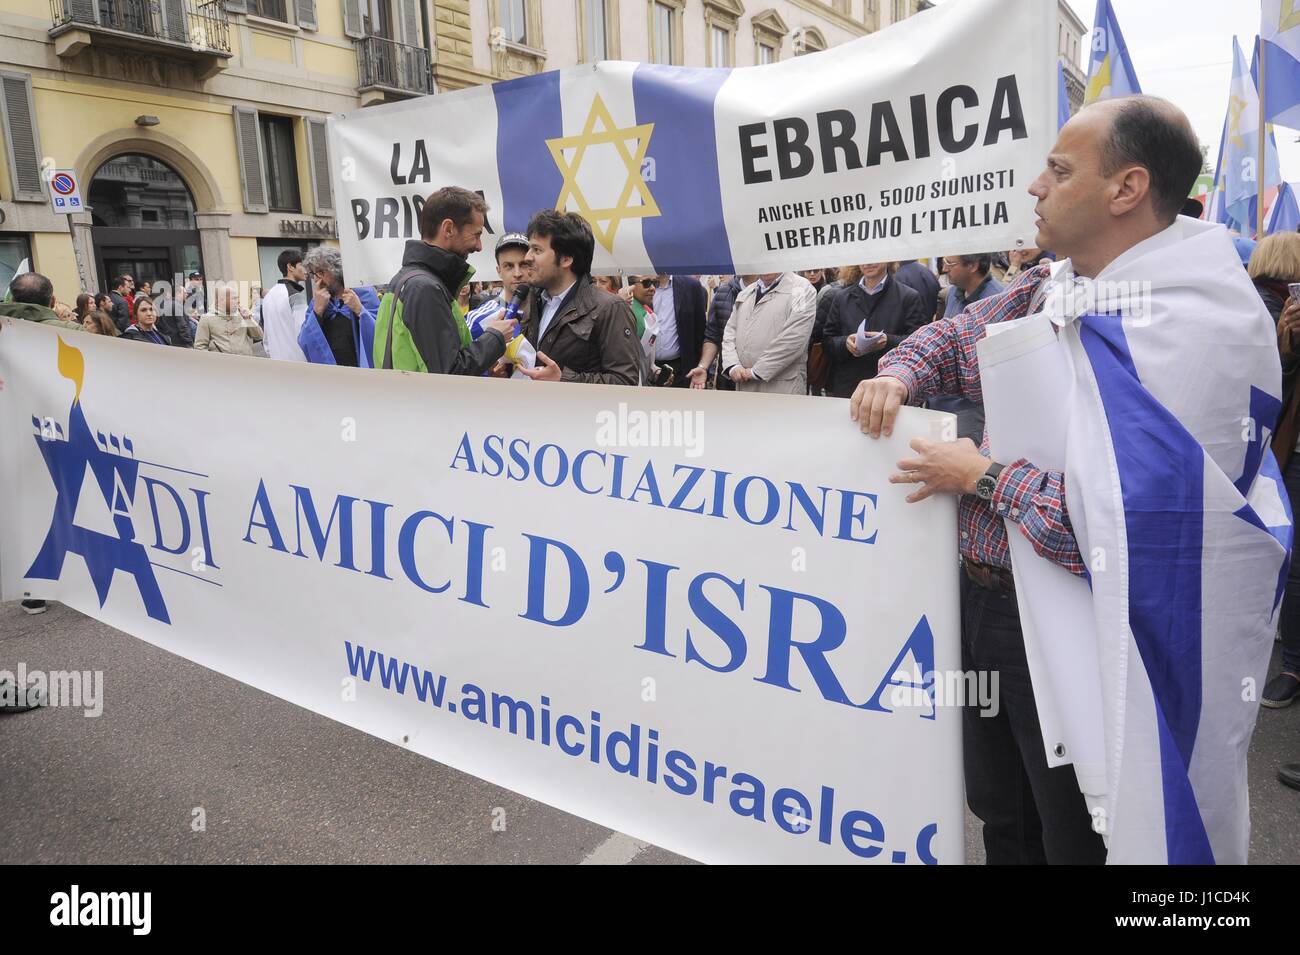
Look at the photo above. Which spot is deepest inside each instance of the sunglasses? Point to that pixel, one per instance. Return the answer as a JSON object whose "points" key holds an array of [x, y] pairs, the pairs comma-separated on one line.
{"points": [[645, 283]]}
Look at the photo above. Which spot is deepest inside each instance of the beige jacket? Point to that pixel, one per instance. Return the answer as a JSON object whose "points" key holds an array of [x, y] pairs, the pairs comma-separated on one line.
{"points": [[228, 334], [771, 338]]}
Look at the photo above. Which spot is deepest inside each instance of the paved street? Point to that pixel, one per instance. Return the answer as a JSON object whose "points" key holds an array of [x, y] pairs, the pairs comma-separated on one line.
{"points": [[280, 784]]}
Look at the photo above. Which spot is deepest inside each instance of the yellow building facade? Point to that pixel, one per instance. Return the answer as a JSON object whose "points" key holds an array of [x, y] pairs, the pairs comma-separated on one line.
{"points": [[196, 127]]}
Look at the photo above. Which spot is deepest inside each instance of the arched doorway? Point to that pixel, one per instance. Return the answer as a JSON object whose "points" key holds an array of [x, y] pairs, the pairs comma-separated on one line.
{"points": [[143, 224]]}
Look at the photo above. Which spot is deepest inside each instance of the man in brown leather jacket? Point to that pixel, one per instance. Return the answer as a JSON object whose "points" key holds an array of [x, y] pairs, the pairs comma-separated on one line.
{"points": [[581, 333]]}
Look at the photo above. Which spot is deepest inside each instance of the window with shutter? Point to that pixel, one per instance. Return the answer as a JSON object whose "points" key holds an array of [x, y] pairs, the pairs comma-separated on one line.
{"points": [[22, 143], [322, 191], [411, 23], [306, 10], [352, 24], [252, 176], [174, 25]]}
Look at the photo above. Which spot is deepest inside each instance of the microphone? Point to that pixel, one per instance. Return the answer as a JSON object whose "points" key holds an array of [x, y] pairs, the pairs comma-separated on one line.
{"points": [[517, 301]]}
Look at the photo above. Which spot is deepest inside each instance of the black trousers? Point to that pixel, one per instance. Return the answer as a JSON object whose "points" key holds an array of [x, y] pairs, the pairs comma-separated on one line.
{"points": [[680, 367], [1032, 813], [1290, 617]]}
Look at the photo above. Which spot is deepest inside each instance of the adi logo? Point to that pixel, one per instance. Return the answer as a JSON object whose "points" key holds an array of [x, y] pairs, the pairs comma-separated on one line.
{"points": [[96, 479]]}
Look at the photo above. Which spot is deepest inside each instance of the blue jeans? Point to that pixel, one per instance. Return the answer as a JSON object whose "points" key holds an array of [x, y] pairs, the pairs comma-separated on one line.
{"points": [[1032, 813]]}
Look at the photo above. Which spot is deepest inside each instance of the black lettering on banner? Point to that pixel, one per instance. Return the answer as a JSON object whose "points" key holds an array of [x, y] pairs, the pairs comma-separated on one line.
{"points": [[750, 151], [944, 119], [836, 129], [1006, 100], [792, 145], [920, 127], [386, 214], [883, 121], [361, 216]]}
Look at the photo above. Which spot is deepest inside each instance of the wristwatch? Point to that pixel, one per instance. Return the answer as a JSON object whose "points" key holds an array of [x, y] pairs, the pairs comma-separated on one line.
{"points": [[987, 482]]}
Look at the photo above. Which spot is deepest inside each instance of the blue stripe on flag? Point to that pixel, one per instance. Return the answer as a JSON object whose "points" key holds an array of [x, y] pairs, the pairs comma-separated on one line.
{"points": [[690, 235], [1161, 471], [528, 114], [1281, 83]]}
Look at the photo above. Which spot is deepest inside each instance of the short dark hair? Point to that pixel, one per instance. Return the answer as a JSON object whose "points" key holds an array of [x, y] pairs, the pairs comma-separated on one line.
{"points": [[569, 234], [983, 261], [288, 259], [1152, 133], [32, 288], [450, 202], [121, 280]]}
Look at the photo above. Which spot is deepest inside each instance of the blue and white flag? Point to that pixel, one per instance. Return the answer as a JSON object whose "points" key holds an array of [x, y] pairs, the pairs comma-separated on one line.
{"points": [[1110, 71], [1241, 172], [1284, 214], [1280, 30], [923, 136], [1157, 397]]}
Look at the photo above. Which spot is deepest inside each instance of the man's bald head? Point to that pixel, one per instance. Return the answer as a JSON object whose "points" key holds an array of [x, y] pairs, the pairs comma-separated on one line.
{"points": [[1155, 134]]}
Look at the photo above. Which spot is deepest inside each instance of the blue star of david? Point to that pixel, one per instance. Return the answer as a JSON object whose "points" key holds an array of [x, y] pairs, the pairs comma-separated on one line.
{"points": [[103, 553]]}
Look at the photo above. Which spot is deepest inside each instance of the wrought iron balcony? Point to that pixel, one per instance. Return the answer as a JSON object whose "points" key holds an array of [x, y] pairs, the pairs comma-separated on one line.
{"points": [[393, 67], [201, 28]]}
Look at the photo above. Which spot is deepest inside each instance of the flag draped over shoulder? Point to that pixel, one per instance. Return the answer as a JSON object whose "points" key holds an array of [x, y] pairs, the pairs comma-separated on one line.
{"points": [[1110, 71], [1170, 382]]}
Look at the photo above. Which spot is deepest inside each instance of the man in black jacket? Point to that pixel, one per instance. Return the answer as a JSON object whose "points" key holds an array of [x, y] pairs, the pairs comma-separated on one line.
{"points": [[434, 269], [581, 333], [122, 286], [891, 311], [680, 303], [724, 300]]}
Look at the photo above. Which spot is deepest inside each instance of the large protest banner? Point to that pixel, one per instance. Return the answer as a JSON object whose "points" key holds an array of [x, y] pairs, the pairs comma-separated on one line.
{"points": [[734, 641], [919, 139]]}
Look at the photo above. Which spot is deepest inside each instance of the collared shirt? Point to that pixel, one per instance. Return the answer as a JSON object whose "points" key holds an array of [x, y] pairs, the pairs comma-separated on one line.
{"points": [[940, 359], [958, 298], [872, 290], [667, 346], [764, 288], [551, 305]]}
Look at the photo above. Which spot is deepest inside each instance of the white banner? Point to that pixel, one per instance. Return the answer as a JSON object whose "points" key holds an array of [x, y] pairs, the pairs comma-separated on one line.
{"points": [[919, 139], [638, 605]]}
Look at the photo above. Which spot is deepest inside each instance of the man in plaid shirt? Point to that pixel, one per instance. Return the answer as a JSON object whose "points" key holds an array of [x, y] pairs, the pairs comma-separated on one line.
{"points": [[1117, 176]]}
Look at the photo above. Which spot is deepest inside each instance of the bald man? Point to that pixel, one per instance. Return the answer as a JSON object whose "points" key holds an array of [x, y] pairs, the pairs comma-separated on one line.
{"points": [[1116, 177]]}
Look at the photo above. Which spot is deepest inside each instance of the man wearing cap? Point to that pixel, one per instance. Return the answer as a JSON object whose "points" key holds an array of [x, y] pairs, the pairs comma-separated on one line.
{"points": [[420, 326], [511, 250]]}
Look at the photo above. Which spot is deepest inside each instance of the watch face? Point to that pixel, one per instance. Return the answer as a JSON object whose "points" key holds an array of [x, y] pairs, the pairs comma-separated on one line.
{"points": [[984, 487]]}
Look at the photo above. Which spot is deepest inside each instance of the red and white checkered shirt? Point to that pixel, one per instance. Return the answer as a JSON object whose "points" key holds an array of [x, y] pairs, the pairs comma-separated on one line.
{"points": [[940, 359]]}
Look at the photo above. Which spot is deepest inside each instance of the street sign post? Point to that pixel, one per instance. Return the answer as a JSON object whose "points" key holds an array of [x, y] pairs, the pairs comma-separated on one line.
{"points": [[65, 198]]}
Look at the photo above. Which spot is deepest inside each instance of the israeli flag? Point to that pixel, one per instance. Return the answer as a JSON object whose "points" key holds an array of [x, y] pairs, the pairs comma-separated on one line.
{"points": [[917, 137], [1110, 70], [1155, 388], [1280, 31]]}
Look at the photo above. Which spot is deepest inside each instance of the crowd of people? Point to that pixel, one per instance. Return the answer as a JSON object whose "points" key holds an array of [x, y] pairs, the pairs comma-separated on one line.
{"points": [[873, 333]]}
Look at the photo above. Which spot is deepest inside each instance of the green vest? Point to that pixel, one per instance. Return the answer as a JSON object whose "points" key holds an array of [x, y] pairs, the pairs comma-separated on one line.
{"points": [[390, 329]]}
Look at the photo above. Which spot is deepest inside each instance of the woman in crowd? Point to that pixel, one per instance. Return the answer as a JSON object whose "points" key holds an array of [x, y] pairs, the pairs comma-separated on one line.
{"points": [[1273, 265], [99, 322], [85, 305]]}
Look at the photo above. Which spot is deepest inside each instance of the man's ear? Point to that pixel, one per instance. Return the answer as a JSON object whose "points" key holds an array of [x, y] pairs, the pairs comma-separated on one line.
{"points": [[565, 261], [1129, 188]]}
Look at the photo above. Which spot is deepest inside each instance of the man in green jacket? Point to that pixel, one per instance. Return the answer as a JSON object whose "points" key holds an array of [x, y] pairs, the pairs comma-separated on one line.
{"points": [[32, 299], [420, 326]]}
